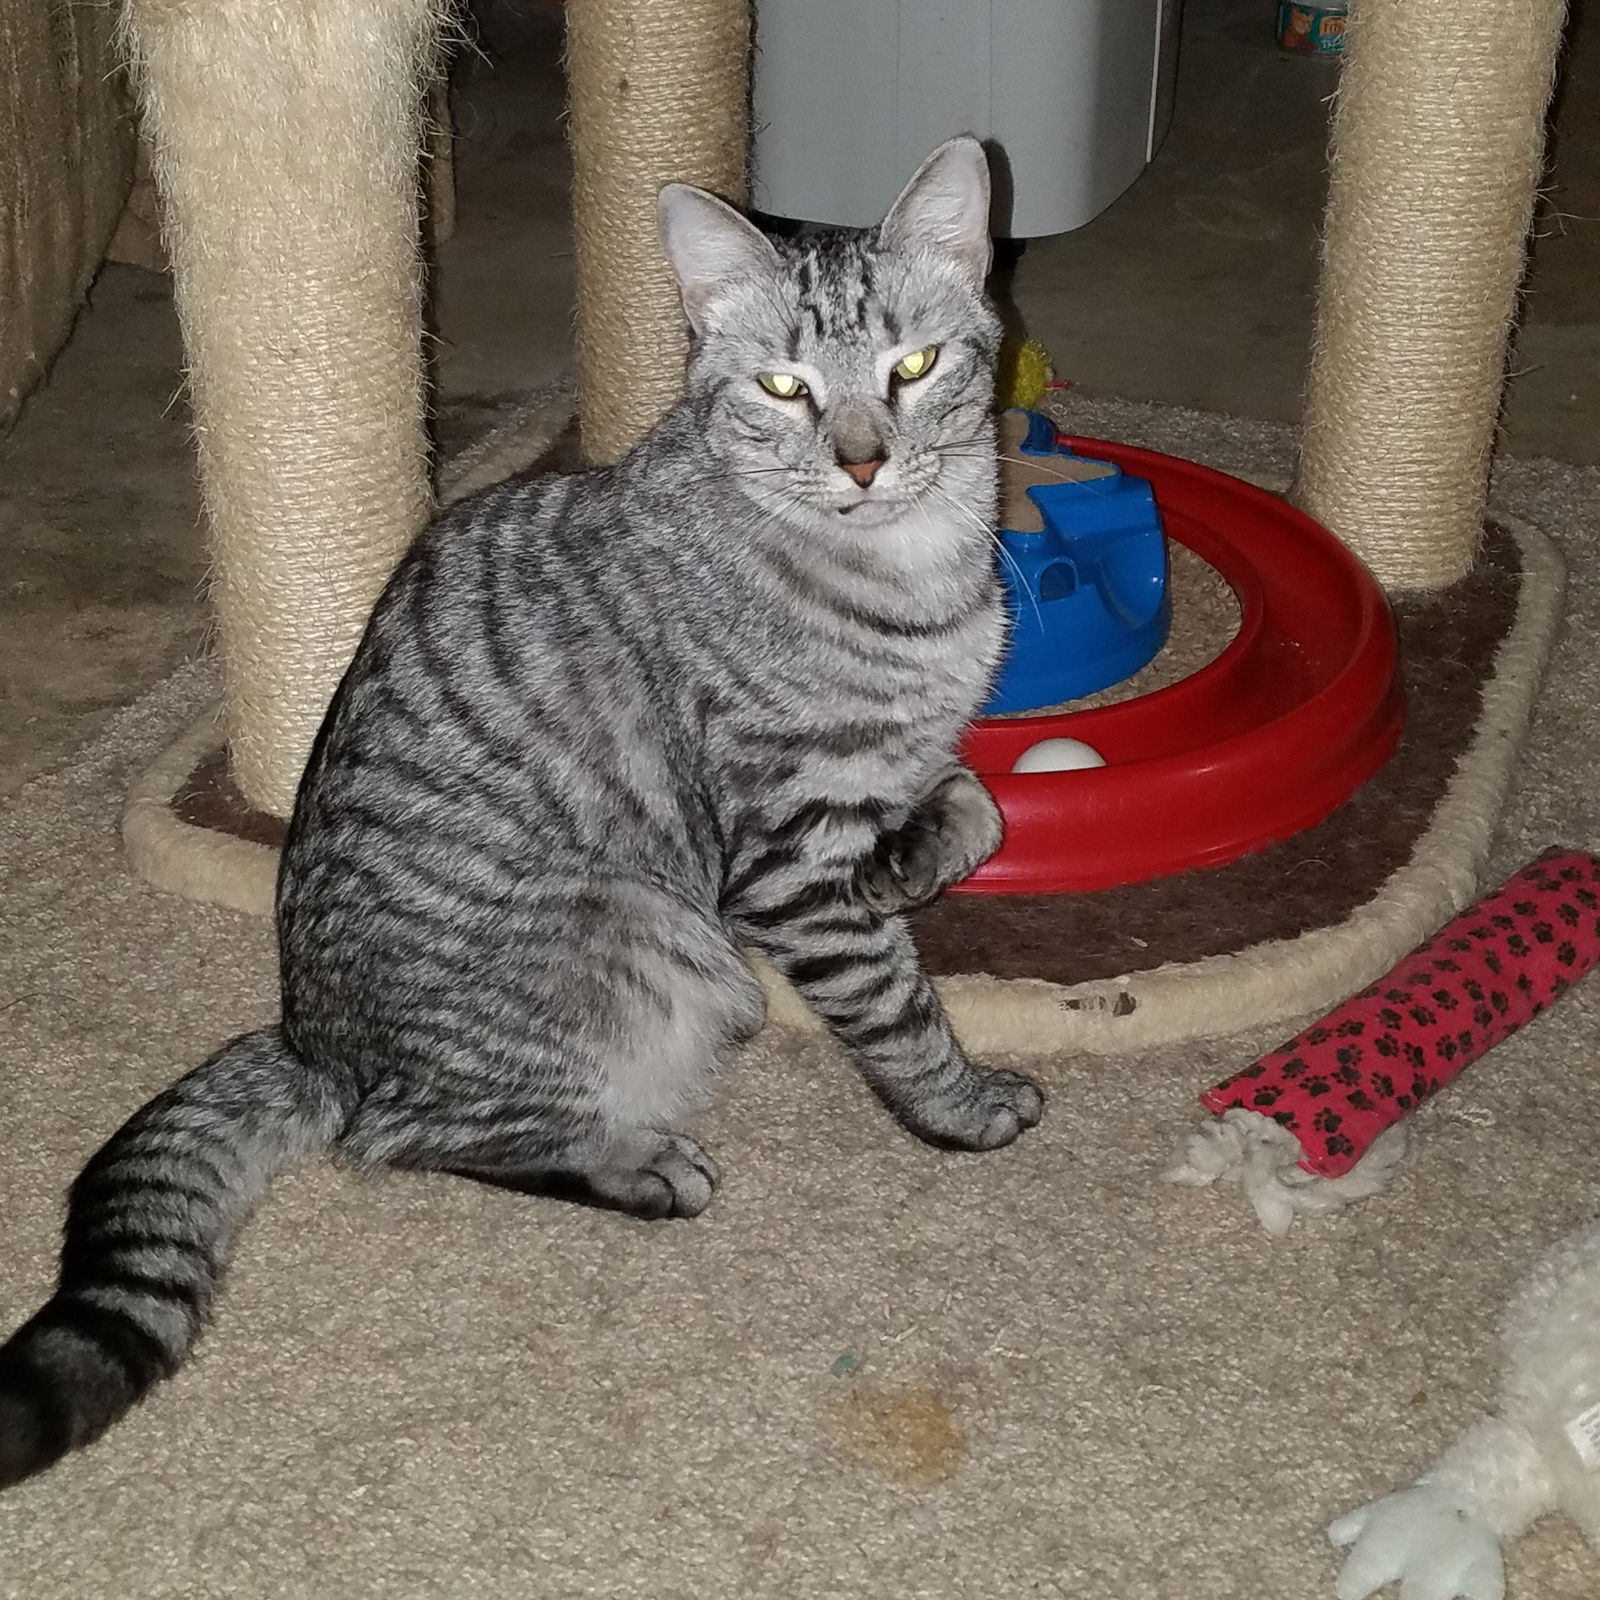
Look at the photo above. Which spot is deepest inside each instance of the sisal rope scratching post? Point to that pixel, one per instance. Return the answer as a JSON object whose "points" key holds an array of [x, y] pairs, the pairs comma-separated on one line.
{"points": [[285, 142], [658, 91], [1438, 142]]}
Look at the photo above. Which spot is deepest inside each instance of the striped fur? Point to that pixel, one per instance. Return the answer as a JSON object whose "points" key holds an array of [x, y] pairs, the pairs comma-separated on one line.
{"points": [[602, 732], [149, 1225]]}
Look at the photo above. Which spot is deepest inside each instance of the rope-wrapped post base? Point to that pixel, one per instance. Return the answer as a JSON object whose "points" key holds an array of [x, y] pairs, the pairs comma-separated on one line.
{"points": [[1438, 143], [285, 142], [659, 91]]}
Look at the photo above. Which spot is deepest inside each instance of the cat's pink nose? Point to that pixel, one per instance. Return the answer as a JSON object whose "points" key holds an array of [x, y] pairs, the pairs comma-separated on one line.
{"points": [[862, 471]]}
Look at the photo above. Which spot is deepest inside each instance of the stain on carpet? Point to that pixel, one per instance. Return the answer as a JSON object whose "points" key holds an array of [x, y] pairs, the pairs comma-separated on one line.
{"points": [[906, 1433]]}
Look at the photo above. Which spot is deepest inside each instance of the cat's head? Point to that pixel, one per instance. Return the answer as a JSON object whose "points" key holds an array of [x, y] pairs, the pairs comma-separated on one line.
{"points": [[847, 378]]}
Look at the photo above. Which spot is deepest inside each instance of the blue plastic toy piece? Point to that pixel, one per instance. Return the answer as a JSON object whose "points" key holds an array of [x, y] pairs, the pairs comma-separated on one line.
{"points": [[1088, 594]]}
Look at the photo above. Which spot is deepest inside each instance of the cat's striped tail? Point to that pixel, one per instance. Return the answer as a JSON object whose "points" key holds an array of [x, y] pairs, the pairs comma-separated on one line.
{"points": [[149, 1226]]}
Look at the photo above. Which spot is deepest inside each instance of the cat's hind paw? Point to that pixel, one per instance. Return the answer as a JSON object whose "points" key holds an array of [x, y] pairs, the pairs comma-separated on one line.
{"points": [[1424, 1539], [672, 1177]]}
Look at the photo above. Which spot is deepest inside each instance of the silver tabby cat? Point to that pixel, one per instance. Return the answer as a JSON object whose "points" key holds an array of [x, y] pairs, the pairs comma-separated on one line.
{"points": [[603, 732]]}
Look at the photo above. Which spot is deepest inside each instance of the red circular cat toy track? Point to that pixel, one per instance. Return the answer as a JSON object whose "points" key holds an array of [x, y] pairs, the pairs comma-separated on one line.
{"points": [[1301, 708]]}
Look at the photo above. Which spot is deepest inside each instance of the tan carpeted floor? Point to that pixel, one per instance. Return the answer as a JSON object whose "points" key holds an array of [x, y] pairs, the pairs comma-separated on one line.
{"points": [[870, 1370]]}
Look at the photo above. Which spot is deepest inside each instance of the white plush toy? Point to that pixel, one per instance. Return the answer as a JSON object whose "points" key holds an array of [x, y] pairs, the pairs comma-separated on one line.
{"points": [[1441, 1538]]}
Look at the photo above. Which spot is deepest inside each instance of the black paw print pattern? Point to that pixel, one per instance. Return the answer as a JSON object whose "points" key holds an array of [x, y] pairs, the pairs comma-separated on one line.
{"points": [[1341, 1082]]}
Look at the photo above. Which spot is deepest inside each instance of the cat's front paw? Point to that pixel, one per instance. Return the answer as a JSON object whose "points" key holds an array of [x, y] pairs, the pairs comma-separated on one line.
{"points": [[1424, 1539], [953, 832], [902, 875], [986, 1112]]}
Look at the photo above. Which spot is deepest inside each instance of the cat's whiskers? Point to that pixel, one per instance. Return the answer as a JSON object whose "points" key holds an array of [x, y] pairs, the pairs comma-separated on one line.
{"points": [[1036, 464], [994, 538], [745, 472]]}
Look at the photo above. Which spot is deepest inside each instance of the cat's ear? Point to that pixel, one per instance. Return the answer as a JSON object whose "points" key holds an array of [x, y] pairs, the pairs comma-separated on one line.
{"points": [[945, 208], [709, 244]]}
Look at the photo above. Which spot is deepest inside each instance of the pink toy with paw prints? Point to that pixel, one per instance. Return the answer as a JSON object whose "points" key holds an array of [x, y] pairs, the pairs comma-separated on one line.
{"points": [[1315, 1123]]}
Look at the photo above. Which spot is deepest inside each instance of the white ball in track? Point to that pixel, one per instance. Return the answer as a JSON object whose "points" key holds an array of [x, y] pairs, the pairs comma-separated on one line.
{"points": [[1058, 755]]}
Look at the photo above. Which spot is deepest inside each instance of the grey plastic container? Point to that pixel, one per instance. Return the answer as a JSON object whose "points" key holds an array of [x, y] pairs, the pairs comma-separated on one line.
{"points": [[1073, 98]]}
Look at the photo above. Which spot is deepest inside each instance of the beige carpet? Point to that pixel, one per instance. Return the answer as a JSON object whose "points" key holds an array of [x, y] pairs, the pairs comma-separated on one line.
{"points": [[870, 1370]]}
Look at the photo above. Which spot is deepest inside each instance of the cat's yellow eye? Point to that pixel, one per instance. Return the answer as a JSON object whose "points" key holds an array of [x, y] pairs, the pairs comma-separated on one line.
{"points": [[916, 365], [782, 384]]}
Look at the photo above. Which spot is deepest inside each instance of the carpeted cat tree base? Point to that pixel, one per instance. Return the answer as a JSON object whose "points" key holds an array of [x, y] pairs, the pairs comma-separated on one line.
{"points": [[186, 827], [1288, 931]]}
